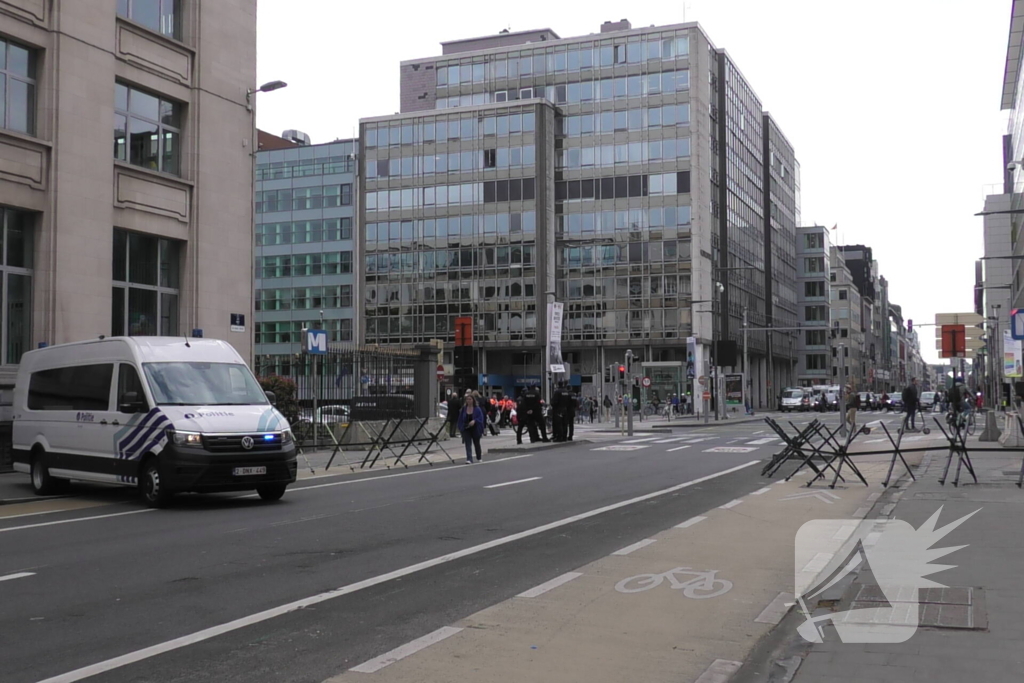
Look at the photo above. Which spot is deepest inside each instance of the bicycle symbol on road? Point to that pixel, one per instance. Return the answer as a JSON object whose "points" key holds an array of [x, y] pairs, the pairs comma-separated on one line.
{"points": [[703, 585]]}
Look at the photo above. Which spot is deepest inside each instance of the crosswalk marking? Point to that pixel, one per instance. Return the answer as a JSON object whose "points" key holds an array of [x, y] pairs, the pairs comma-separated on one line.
{"points": [[761, 442], [679, 448], [672, 440], [649, 438]]}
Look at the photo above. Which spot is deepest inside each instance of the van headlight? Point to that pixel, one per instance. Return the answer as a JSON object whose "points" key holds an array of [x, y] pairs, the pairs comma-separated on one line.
{"points": [[193, 439], [287, 437]]}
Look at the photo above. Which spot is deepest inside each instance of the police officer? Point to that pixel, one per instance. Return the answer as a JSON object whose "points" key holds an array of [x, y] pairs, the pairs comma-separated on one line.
{"points": [[569, 415], [558, 414]]}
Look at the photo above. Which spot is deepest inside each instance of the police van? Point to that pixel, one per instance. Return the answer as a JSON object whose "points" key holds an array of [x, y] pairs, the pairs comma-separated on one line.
{"points": [[165, 414]]}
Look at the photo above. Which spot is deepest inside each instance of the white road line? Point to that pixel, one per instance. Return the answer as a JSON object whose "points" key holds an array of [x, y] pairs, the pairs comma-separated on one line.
{"points": [[388, 476], [690, 522], [410, 648], [672, 440], [731, 504], [214, 631], [720, 671], [77, 519], [761, 442], [36, 514], [636, 546], [677, 448], [510, 483], [776, 609], [550, 585], [758, 492], [862, 512], [20, 575], [649, 438]]}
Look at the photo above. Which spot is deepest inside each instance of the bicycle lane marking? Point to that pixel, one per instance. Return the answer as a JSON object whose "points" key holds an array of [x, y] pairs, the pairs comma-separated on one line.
{"points": [[655, 613]]}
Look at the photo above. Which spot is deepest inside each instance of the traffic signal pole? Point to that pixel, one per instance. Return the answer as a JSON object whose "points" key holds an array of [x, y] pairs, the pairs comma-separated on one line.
{"points": [[629, 387]]}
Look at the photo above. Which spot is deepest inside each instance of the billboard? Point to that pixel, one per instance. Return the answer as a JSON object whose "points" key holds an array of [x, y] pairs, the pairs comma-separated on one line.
{"points": [[734, 389], [555, 363], [1011, 355]]}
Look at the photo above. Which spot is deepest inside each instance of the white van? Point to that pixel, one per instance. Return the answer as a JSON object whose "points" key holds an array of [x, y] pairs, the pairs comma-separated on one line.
{"points": [[166, 414]]}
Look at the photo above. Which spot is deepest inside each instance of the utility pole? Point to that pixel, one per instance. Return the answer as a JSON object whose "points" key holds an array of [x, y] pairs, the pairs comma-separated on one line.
{"points": [[842, 387], [746, 364], [629, 388]]}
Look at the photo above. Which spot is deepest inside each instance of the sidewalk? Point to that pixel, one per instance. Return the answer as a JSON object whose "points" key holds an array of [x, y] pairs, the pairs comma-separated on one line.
{"points": [[980, 641]]}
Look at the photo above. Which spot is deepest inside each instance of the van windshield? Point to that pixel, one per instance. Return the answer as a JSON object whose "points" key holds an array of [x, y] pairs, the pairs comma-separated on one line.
{"points": [[794, 394], [203, 384]]}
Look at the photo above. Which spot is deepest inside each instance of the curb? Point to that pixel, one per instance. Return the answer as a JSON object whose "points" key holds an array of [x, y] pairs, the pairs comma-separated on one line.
{"points": [[540, 447]]}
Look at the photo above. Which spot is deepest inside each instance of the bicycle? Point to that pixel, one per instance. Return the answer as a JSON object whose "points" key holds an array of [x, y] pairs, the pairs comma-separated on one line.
{"points": [[702, 586]]}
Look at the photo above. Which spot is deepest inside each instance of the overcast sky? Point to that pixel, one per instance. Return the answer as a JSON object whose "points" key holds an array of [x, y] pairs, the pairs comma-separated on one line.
{"points": [[892, 106]]}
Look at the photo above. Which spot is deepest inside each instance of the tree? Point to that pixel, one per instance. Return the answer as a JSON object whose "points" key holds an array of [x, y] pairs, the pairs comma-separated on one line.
{"points": [[284, 391]]}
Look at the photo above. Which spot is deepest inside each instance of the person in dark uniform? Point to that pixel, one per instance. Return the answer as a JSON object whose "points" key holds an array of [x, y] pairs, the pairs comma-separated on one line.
{"points": [[558, 415], [537, 417], [528, 415], [454, 406], [571, 404]]}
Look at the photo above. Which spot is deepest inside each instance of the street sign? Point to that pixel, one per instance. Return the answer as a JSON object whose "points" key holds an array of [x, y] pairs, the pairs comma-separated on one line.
{"points": [[440, 373], [646, 382], [1017, 323], [702, 380], [237, 322], [953, 341], [314, 341], [707, 395]]}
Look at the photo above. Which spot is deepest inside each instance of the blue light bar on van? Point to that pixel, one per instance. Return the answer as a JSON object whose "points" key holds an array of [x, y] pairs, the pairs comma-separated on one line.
{"points": [[269, 437]]}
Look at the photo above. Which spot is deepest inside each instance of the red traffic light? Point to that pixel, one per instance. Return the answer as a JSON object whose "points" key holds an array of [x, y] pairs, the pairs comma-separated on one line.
{"points": [[622, 368]]}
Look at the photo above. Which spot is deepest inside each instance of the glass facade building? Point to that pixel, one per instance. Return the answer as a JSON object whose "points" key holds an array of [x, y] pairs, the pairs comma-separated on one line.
{"points": [[305, 250], [614, 159]]}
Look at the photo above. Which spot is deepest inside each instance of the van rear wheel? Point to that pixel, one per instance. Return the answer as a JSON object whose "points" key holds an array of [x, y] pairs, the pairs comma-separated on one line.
{"points": [[42, 483], [154, 493], [271, 492]]}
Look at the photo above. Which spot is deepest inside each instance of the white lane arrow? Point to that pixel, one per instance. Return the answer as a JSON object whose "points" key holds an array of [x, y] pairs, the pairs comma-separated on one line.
{"points": [[823, 496]]}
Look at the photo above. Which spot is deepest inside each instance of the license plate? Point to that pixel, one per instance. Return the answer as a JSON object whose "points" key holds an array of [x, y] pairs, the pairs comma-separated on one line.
{"points": [[249, 471]]}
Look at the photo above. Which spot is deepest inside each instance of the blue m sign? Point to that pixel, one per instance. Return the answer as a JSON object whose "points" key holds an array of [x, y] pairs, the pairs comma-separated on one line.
{"points": [[316, 341]]}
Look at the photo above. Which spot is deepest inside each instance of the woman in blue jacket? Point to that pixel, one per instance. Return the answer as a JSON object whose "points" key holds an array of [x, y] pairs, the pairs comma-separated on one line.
{"points": [[471, 425]]}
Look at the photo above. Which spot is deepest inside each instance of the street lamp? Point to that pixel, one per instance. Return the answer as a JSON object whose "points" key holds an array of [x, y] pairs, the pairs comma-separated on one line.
{"points": [[266, 87]]}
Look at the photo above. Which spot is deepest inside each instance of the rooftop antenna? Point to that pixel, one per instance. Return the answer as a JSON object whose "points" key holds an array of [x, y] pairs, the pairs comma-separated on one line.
{"points": [[686, 6]]}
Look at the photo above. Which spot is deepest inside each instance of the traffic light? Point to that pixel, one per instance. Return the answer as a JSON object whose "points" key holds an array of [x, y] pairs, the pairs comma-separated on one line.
{"points": [[622, 372], [608, 375], [910, 326]]}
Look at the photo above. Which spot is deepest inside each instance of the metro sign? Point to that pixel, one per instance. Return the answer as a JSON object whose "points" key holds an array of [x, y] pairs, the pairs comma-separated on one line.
{"points": [[314, 341]]}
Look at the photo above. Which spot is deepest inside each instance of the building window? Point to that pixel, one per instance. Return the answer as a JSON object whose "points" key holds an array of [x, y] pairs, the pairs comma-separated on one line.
{"points": [[345, 332], [815, 337], [815, 240], [815, 313], [17, 88], [144, 296], [18, 228], [162, 16], [346, 296], [147, 130], [817, 361], [842, 295], [832, 277], [814, 265], [816, 288]]}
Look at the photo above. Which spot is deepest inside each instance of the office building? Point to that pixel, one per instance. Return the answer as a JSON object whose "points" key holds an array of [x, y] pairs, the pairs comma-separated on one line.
{"points": [[847, 333], [142, 227], [304, 247], [609, 172], [813, 284]]}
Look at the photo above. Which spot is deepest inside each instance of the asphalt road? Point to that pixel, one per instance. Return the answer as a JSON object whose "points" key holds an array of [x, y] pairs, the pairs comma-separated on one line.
{"points": [[105, 584]]}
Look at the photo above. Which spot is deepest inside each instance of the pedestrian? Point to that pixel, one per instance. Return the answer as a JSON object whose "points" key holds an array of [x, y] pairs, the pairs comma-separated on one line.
{"points": [[492, 416], [558, 401], [910, 398], [852, 404], [569, 418], [454, 405], [471, 425], [885, 402], [607, 408]]}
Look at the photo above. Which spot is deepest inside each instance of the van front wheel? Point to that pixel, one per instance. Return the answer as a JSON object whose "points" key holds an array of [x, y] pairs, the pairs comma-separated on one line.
{"points": [[42, 483], [271, 492], [154, 493]]}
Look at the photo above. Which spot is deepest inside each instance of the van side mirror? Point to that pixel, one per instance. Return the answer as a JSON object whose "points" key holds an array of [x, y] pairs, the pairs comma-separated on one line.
{"points": [[271, 397], [129, 402]]}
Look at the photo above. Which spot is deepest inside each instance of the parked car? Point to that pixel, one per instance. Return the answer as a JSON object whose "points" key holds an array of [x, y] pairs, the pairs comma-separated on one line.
{"points": [[865, 401], [896, 402], [795, 400], [832, 400], [928, 400]]}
